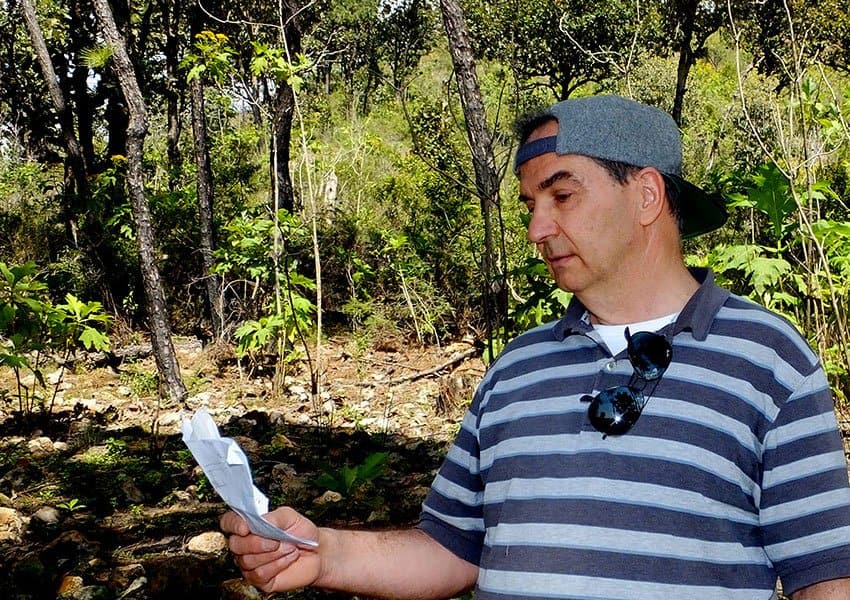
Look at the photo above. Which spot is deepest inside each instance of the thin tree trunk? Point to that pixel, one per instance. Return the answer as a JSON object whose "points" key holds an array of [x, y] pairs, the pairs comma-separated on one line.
{"points": [[171, 15], [483, 160], [686, 61], [81, 101], [204, 185], [76, 161], [163, 348], [279, 157]]}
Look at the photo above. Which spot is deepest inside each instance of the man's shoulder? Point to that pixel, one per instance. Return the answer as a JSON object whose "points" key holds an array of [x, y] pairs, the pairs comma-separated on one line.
{"points": [[746, 321]]}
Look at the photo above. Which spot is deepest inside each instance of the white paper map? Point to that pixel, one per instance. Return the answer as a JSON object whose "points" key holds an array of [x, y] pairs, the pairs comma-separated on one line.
{"points": [[226, 466]]}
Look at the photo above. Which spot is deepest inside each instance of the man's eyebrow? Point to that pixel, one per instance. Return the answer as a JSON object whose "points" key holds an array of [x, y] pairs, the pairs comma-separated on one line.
{"points": [[557, 176], [549, 182]]}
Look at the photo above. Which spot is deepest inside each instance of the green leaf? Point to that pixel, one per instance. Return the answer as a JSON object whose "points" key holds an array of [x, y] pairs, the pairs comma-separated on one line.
{"points": [[772, 196], [373, 466]]}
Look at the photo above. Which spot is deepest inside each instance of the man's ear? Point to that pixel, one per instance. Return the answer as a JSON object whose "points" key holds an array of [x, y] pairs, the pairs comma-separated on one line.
{"points": [[653, 195]]}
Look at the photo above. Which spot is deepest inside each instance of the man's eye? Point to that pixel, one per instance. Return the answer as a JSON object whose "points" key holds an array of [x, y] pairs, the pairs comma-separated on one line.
{"points": [[562, 197]]}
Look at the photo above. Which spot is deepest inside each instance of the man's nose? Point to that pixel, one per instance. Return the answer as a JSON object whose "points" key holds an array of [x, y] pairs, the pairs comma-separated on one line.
{"points": [[542, 225]]}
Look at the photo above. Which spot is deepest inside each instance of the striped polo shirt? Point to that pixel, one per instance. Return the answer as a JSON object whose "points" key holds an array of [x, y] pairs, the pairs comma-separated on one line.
{"points": [[733, 475]]}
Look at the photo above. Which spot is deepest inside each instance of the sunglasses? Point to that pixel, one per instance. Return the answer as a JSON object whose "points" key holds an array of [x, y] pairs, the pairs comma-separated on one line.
{"points": [[614, 411]]}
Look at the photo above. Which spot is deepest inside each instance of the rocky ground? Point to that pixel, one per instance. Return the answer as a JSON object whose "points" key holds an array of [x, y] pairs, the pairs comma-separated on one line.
{"points": [[103, 500]]}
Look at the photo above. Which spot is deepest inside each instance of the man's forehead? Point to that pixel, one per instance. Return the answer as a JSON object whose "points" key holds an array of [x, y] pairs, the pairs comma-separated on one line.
{"points": [[549, 128]]}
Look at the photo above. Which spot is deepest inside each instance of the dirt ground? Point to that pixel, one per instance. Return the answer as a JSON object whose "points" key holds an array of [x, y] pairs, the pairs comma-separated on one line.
{"points": [[95, 505]]}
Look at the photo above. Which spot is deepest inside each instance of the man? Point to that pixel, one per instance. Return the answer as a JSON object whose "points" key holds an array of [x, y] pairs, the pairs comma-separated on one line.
{"points": [[664, 439]]}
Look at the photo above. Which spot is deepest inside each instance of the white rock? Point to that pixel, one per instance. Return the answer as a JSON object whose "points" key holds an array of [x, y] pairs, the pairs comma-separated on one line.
{"points": [[41, 446], [201, 398], [124, 390], [47, 514], [170, 418], [12, 525], [209, 542]]}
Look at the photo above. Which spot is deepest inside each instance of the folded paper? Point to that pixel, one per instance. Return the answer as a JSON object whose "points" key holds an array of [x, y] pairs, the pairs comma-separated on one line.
{"points": [[226, 466]]}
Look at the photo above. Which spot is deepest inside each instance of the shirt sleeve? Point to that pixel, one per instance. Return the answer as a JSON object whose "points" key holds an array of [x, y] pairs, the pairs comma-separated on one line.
{"points": [[804, 509], [452, 511]]}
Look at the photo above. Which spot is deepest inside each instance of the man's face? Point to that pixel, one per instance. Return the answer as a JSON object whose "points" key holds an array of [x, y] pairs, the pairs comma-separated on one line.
{"points": [[582, 220]]}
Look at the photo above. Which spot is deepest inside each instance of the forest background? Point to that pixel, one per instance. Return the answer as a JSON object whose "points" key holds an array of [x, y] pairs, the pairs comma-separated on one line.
{"points": [[263, 176]]}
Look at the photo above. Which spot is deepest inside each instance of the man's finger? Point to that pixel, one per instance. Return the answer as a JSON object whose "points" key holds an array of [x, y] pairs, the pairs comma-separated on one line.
{"points": [[284, 517], [264, 575], [232, 523], [255, 544]]}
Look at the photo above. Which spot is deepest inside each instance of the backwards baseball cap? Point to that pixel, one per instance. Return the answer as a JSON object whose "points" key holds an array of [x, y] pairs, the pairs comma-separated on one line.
{"points": [[622, 130]]}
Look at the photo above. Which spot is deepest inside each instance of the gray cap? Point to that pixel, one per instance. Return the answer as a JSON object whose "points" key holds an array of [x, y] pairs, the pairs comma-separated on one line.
{"points": [[622, 130]]}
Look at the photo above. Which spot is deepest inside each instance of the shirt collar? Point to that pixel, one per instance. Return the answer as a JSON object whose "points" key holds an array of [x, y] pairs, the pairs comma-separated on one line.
{"points": [[696, 316]]}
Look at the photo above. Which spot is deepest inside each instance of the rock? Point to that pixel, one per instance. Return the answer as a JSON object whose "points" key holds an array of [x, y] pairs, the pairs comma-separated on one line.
{"points": [[201, 399], [60, 446], [189, 496], [70, 585], [238, 589], [124, 390], [47, 515], [71, 546], [137, 585], [250, 446], [5, 500], [12, 525], [55, 377], [132, 492], [285, 479], [209, 542], [41, 446], [124, 575], [170, 419], [328, 498]]}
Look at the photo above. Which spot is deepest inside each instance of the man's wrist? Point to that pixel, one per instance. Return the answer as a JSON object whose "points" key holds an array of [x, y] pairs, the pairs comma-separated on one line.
{"points": [[328, 548]]}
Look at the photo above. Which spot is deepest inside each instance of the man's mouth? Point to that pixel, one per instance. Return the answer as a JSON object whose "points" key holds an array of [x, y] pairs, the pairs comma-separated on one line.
{"points": [[555, 259]]}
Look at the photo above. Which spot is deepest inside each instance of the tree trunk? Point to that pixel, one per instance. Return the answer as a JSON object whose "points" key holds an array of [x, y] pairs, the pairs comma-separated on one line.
{"points": [[166, 359], [483, 160], [204, 185], [171, 15], [82, 103], [76, 161], [283, 194], [686, 61]]}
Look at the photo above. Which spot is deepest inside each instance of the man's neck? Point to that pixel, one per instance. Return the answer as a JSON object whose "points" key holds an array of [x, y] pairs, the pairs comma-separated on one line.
{"points": [[664, 292]]}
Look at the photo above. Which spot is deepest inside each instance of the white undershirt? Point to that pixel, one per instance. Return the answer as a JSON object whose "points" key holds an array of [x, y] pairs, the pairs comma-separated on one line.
{"points": [[614, 335]]}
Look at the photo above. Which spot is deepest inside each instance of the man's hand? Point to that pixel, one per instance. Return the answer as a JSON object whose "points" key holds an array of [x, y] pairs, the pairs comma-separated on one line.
{"points": [[270, 565], [404, 563], [835, 589]]}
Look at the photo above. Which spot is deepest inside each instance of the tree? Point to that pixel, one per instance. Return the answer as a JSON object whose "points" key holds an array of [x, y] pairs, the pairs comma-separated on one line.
{"points": [[483, 160], [163, 348], [557, 44], [76, 160], [205, 192]]}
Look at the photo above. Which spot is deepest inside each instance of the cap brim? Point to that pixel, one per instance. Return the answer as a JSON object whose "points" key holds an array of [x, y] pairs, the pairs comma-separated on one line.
{"points": [[701, 212]]}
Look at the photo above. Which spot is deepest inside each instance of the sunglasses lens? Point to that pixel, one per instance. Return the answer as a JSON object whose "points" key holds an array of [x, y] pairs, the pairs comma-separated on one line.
{"points": [[650, 354], [615, 410]]}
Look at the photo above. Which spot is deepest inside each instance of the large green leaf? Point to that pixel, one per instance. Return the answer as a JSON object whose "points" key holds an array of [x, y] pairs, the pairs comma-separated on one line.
{"points": [[771, 194]]}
